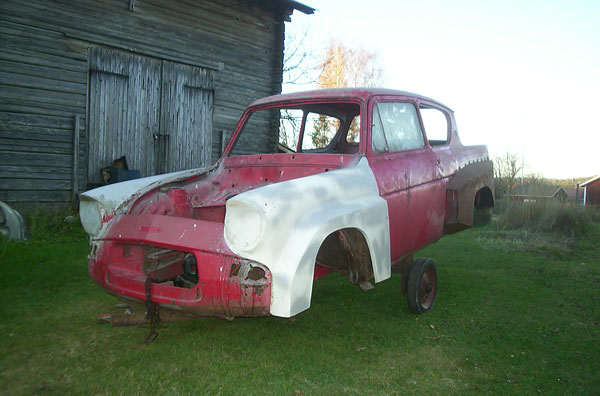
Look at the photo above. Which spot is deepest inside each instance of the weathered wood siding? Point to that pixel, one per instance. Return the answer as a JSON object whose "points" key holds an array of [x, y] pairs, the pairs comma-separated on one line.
{"points": [[156, 113], [186, 112], [45, 75]]}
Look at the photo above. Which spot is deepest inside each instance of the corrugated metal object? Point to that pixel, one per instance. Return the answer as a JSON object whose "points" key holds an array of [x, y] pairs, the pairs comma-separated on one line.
{"points": [[12, 224]]}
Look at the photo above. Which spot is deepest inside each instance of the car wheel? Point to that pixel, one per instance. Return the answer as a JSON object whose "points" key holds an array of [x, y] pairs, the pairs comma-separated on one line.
{"points": [[422, 285]]}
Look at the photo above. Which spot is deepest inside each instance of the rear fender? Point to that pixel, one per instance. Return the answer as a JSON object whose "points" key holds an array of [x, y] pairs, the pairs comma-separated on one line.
{"points": [[461, 191]]}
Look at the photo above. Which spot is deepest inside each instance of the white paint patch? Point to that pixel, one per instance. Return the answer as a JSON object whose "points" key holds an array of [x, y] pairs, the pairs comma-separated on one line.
{"points": [[291, 219], [118, 197]]}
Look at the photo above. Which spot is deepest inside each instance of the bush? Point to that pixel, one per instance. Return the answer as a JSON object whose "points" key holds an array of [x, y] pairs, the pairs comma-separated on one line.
{"points": [[54, 226], [550, 216]]}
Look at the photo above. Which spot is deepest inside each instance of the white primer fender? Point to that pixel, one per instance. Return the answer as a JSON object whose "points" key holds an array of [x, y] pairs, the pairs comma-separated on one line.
{"points": [[117, 198], [283, 225]]}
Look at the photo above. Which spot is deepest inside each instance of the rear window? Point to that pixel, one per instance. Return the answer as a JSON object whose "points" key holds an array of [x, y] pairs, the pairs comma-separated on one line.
{"points": [[436, 125]]}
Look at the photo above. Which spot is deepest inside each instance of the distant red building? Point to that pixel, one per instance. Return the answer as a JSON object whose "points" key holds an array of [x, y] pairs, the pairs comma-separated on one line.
{"points": [[591, 191], [574, 195]]}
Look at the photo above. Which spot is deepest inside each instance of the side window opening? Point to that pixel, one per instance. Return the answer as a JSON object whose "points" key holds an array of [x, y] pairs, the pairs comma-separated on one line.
{"points": [[319, 131], [436, 125], [396, 127], [290, 122], [353, 136]]}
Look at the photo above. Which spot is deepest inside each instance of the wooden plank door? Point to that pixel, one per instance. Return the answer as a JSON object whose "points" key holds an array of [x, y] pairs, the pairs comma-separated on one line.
{"points": [[124, 102], [185, 139], [158, 114]]}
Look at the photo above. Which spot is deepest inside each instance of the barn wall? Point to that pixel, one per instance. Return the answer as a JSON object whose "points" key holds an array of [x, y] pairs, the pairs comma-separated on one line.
{"points": [[44, 75]]}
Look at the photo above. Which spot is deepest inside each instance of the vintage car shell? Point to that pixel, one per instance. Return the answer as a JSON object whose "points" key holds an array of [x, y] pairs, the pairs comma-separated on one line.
{"points": [[260, 228]]}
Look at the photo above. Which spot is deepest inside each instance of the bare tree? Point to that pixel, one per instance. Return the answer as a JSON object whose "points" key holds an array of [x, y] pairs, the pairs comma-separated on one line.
{"points": [[506, 171], [340, 66], [289, 127], [299, 68], [343, 66], [299, 63]]}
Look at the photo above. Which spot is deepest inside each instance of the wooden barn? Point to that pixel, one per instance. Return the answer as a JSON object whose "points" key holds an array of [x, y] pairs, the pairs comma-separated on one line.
{"points": [[591, 191], [159, 82], [539, 192]]}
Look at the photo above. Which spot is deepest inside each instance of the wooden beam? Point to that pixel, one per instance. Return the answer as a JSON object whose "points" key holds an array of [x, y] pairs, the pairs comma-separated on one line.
{"points": [[75, 158]]}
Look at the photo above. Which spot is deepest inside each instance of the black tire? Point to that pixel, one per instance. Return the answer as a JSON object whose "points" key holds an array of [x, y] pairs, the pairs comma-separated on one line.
{"points": [[422, 285]]}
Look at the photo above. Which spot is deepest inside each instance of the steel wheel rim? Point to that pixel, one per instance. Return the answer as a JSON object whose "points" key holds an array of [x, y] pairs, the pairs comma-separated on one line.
{"points": [[427, 288]]}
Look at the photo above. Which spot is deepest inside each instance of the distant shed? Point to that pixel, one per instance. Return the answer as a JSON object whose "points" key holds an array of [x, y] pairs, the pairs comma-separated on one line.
{"points": [[160, 82], [591, 191], [539, 193]]}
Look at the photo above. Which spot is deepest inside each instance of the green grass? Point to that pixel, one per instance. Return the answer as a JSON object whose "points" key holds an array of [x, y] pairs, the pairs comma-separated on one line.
{"points": [[510, 318]]}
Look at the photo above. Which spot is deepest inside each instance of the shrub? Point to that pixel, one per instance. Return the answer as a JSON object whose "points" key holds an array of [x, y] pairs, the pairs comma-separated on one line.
{"points": [[549, 216], [53, 226]]}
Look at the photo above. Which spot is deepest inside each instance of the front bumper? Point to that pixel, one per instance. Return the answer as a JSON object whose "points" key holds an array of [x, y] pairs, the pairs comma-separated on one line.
{"points": [[216, 283]]}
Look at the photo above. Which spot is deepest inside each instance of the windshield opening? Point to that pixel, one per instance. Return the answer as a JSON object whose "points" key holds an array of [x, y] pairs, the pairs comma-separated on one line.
{"points": [[328, 128]]}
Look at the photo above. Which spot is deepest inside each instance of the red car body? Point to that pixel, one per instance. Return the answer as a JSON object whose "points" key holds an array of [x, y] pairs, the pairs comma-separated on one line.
{"points": [[359, 192]]}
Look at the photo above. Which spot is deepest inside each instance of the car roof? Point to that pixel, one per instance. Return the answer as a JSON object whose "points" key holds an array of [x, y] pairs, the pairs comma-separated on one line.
{"points": [[363, 94]]}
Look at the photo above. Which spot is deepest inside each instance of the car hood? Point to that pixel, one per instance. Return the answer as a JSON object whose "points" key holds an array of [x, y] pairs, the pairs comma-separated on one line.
{"points": [[100, 204], [200, 193]]}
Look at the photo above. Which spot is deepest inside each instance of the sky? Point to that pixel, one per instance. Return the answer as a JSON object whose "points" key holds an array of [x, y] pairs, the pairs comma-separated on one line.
{"points": [[521, 76]]}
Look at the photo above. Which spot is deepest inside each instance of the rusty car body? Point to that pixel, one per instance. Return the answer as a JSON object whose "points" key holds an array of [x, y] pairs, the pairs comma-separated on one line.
{"points": [[338, 180]]}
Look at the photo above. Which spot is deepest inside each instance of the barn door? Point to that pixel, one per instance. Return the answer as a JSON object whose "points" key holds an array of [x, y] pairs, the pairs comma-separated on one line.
{"points": [[186, 119], [157, 114], [124, 98]]}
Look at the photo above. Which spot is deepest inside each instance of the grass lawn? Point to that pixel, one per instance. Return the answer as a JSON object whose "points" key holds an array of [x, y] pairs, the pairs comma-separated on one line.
{"points": [[516, 313]]}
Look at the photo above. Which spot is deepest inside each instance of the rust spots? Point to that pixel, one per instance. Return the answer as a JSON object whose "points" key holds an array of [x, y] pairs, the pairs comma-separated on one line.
{"points": [[255, 274], [235, 269], [149, 229], [346, 251], [126, 251], [464, 194]]}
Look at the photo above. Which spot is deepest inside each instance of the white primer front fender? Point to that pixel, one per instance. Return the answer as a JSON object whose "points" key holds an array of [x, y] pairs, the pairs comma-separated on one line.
{"points": [[295, 218]]}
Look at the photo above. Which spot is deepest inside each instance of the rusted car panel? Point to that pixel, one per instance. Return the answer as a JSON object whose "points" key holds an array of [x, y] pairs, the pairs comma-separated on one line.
{"points": [[356, 187], [166, 249], [470, 186]]}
